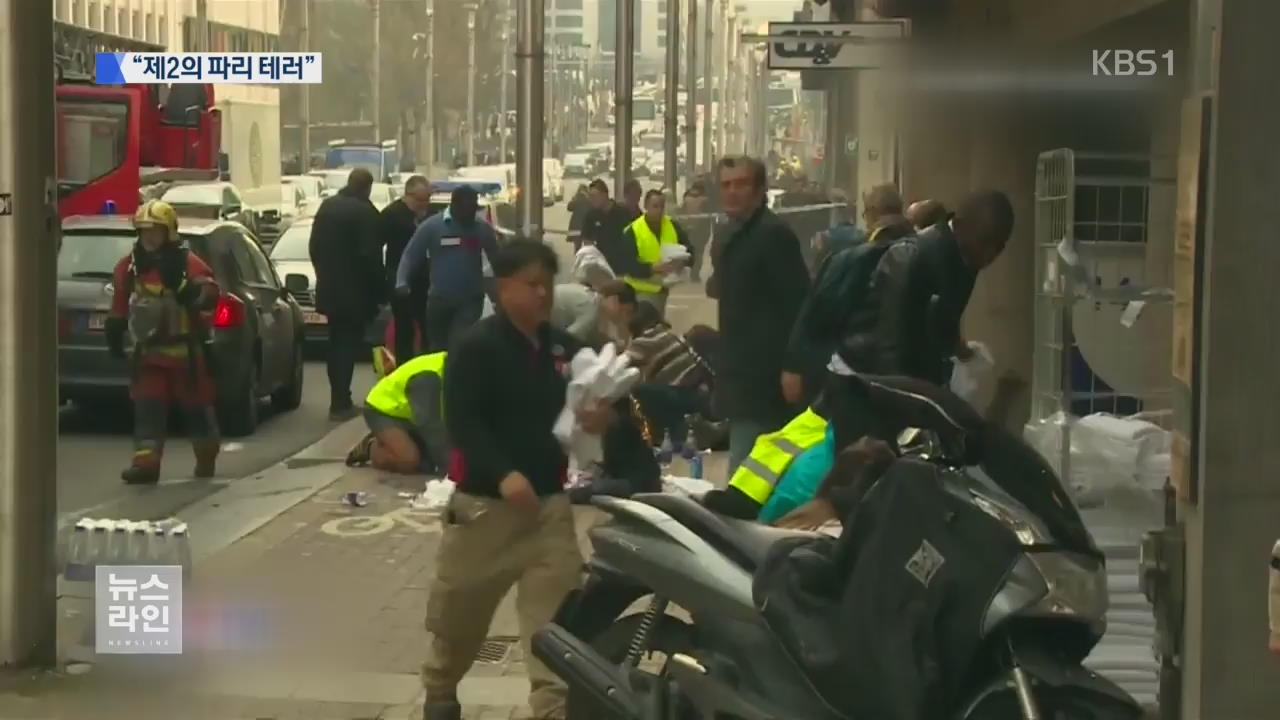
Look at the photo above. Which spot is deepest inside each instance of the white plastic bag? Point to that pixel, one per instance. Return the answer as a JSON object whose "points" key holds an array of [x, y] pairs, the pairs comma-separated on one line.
{"points": [[670, 252], [1109, 454], [970, 377], [594, 378], [590, 267]]}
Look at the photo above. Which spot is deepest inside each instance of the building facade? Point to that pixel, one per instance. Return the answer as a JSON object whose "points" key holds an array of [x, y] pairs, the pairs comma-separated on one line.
{"points": [[573, 22], [250, 113]]}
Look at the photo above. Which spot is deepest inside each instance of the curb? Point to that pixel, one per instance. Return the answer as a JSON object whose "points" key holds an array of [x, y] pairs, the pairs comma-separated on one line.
{"points": [[246, 504]]}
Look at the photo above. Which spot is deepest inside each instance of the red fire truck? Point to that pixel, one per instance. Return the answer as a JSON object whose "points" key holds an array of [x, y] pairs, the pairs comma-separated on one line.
{"points": [[115, 139]]}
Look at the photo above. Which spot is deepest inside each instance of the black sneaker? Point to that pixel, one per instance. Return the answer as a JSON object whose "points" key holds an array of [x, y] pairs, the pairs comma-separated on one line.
{"points": [[343, 414], [441, 711], [362, 453]]}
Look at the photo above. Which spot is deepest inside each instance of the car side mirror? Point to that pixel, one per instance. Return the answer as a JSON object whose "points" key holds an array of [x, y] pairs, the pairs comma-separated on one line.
{"points": [[296, 283], [231, 210]]}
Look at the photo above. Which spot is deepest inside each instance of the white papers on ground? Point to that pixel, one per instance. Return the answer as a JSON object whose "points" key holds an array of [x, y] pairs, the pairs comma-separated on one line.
{"points": [[693, 487], [435, 496]]}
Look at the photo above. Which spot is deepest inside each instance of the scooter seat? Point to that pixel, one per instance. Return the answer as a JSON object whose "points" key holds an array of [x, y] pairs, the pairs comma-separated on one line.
{"points": [[744, 541]]}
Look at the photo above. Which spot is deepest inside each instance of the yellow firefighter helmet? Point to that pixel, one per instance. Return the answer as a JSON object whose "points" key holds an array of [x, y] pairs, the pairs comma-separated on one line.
{"points": [[156, 213]]}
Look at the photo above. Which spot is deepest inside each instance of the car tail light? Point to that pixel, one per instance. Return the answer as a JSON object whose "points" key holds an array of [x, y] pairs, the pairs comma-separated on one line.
{"points": [[228, 312]]}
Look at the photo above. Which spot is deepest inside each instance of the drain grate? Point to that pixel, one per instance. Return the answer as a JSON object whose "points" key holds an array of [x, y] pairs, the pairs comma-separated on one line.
{"points": [[495, 650]]}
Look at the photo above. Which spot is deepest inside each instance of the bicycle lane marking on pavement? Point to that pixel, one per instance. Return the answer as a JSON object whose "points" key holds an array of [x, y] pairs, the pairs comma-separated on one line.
{"points": [[365, 525]]}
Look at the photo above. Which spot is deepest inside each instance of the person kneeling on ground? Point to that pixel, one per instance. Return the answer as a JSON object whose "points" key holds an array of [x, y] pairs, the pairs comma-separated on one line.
{"points": [[405, 414], [675, 380]]}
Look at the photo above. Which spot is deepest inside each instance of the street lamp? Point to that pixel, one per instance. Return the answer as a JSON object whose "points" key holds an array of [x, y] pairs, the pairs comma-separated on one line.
{"points": [[428, 138], [502, 86], [471, 83]]}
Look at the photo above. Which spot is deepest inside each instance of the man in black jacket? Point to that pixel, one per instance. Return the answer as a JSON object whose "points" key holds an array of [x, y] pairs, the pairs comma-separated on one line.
{"points": [[761, 280], [509, 521], [350, 284], [396, 225]]}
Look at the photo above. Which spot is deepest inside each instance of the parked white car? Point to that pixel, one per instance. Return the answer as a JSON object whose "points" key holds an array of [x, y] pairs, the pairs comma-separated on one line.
{"points": [[311, 187]]}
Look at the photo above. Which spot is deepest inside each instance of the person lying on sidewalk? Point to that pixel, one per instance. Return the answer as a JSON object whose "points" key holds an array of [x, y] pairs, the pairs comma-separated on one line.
{"points": [[405, 415], [509, 521], [675, 381]]}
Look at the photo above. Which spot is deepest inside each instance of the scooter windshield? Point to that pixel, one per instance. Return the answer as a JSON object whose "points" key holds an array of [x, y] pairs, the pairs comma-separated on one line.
{"points": [[1021, 472], [900, 402]]}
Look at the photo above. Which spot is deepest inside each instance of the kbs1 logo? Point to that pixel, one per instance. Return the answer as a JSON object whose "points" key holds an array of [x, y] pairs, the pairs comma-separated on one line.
{"points": [[1132, 63]]}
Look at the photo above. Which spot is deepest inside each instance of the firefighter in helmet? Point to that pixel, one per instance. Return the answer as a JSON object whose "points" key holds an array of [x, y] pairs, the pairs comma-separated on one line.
{"points": [[162, 291]]}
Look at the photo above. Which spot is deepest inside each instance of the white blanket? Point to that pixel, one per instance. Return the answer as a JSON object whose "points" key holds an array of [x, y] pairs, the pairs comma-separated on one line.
{"points": [[590, 267], [593, 378], [670, 252]]}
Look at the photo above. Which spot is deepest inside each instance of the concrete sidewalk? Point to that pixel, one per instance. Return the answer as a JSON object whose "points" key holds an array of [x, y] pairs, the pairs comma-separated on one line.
{"points": [[316, 614]]}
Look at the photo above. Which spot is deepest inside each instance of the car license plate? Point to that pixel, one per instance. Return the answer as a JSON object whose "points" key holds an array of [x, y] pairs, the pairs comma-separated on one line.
{"points": [[97, 321], [314, 319]]}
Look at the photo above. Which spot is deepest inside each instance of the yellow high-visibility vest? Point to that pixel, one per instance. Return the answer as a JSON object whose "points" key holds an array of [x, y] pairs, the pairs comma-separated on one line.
{"points": [[774, 452], [649, 250], [388, 396]]}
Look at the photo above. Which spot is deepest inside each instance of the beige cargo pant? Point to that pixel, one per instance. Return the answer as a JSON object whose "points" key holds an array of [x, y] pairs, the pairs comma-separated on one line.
{"points": [[490, 546]]}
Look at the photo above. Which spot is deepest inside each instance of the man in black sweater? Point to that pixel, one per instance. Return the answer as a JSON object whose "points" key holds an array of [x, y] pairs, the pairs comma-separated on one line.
{"points": [[760, 278], [509, 521], [396, 224]]}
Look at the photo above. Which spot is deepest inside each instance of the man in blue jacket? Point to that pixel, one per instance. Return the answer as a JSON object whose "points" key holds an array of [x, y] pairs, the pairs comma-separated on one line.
{"points": [[454, 241]]}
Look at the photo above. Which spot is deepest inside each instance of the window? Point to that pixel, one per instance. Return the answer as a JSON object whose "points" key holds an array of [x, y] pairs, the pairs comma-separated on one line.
{"points": [[241, 249], [92, 255], [122, 22], [151, 27], [92, 139], [262, 266], [294, 244], [108, 21], [192, 195], [137, 30], [94, 18], [569, 21], [662, 41], [568, 39], [164, 31], [662, 24], [568, 4]]}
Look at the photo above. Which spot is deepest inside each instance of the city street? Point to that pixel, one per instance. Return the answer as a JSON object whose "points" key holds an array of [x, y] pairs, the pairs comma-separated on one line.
{"points": [[95, 443]]}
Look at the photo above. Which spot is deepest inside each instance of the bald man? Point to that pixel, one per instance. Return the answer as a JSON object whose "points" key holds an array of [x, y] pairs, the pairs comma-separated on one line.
{"points": [[926, 213]]}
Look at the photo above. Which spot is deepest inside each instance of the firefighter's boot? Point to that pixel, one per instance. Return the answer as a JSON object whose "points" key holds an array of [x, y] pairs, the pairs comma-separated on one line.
{"points": [[206, 458], [145, 469]]}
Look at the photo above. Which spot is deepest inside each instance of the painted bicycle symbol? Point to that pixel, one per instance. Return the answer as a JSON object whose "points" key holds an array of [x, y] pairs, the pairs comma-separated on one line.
{"points": [[365, 525]]}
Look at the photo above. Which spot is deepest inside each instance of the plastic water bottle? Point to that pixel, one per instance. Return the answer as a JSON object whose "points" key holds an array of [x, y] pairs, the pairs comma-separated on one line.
{"points": [[79, 567], [665, 451], [691, 453]]}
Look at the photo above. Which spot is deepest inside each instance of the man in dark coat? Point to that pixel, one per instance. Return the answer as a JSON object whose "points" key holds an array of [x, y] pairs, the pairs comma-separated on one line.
{"points": [[350, 283], [396, 225], [760, 279]]}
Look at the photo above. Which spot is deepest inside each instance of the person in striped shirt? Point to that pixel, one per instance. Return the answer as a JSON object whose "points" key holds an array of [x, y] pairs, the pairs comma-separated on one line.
{"points": [[675, 380]]}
